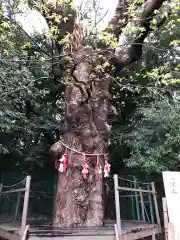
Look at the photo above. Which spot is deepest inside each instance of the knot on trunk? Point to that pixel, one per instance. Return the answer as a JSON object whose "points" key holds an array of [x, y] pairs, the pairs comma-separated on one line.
{"points": [[57, 149], [80, 195]]}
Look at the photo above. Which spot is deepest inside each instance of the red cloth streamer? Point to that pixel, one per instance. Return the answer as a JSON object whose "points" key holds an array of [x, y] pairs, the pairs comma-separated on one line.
{"points": [[106, 167], [99, 168], [85, 170], [56, 164], [63, 164], [65, 161]]}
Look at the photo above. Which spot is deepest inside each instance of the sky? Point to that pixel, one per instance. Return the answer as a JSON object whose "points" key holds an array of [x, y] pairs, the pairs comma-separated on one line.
{"points": [[106, 8], [32, 21]]}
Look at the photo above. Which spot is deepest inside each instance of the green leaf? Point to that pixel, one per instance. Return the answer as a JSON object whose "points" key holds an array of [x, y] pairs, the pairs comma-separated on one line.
{"points": [[5, 25], [154, 22], [27, 44]]}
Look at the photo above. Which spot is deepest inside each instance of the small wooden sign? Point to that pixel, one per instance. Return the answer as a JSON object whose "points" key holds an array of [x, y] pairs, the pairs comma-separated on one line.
{"points": [[172, 192]]}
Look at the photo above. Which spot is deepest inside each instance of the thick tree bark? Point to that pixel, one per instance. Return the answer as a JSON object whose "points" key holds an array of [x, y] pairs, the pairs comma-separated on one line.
{"points": [[79, 201]]}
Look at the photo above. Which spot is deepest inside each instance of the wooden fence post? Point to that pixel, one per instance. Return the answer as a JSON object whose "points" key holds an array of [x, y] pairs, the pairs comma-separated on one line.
{"points": [[150, 205], [116, 232], [117, 203], [165, 217], [25, 205], [24, 235], [1, 186], [17, 206], [132, 203], [156, 205], [142, 206], [137, 201]]}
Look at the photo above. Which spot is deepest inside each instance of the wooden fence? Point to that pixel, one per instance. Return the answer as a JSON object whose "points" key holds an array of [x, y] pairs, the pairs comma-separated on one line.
{"points": [[26, 191], [140, 192]]}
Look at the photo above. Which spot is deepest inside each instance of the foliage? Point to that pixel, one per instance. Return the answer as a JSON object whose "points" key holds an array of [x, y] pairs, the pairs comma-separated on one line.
{"points": [[139, 90], [156, 136], [30, 100]]}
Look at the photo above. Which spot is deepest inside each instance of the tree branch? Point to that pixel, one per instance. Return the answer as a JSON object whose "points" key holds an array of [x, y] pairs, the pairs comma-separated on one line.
{"points": [[120, 18], [132, 37], [61, 16]]}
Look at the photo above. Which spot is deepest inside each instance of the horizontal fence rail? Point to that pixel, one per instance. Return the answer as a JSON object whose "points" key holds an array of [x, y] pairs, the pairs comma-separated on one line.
{"points": [[13, 191], [136, 190]]}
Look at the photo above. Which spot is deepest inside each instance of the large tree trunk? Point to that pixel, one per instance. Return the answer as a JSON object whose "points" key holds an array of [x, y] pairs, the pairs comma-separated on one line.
{"points": [[79, 201]]}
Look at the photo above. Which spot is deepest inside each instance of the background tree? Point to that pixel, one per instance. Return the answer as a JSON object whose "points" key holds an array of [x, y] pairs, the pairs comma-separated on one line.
{"points": [[144, 87]]}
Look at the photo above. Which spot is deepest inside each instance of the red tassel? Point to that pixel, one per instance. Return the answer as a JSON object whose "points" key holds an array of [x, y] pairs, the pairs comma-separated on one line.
{"points": [[85, 170], [65, 162], [56, 164], [99, 168], [106, 167], [63, 165]]}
